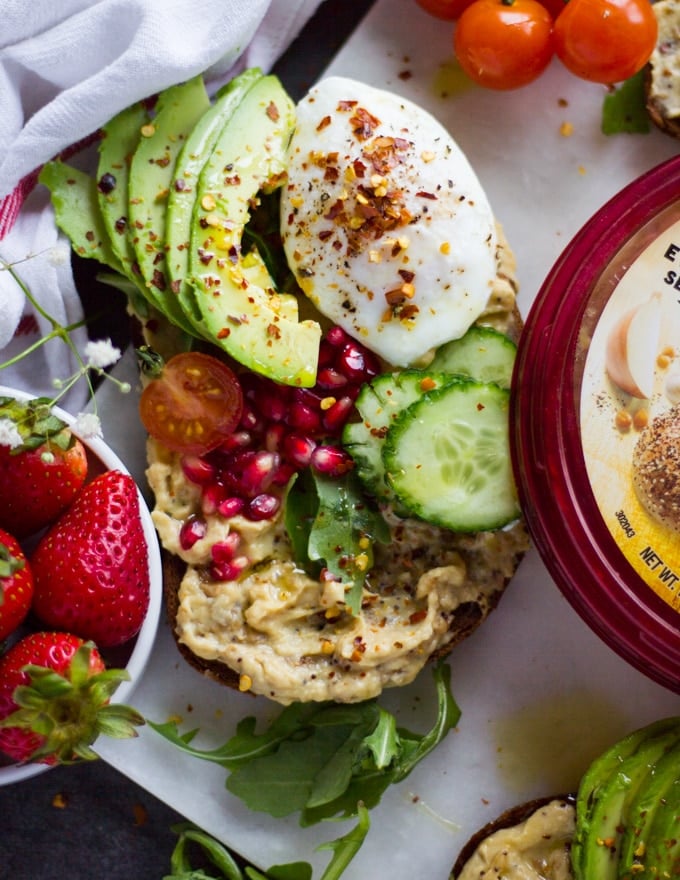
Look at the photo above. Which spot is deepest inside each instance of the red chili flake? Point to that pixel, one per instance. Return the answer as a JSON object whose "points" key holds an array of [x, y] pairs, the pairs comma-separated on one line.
{"points": [[89, 235], [359, 168], [407, 275], [480, 407], [175, 286], [405, 74], [223, 333], [273, 331], [335, 209], [331, 174], [408, 312], [180, 185], [426, 195], [363, 123], [205, 256], [163, 162], [232, 180], [120, 225], [273, 111], [158, 280], [325, 234], [325, 122], [417, 616], [337, 245], [347, 105]]}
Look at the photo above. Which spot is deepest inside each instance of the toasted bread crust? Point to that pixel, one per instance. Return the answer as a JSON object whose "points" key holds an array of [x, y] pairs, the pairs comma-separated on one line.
{"points": [[511, 817], [662, 73]]}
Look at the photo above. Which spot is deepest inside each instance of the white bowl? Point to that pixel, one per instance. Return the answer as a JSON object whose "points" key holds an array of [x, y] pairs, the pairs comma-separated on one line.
{"points": [[134, 654]]}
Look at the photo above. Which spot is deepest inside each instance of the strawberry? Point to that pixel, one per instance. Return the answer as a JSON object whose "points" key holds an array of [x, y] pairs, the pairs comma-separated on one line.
{"points": [[54, 700], [91, 567], [16, 584], [40, 475]]}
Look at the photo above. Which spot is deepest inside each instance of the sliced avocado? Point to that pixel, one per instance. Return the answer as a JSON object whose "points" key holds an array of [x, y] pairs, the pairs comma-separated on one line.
{"points": [[249, 320], [74, 199], [653, 820], [600, 833], [177, 111], [181, 197], [121, 137], [76, 209]]}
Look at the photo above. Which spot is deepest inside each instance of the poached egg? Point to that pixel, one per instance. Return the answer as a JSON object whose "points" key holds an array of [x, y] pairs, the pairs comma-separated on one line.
{"points": [[384, 222]]}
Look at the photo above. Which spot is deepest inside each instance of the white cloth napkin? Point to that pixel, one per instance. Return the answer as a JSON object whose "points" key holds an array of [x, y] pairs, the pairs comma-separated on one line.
{"points": [[67, 67]]}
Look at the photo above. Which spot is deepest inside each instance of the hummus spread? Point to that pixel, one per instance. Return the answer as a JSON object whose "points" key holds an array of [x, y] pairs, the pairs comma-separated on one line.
{"points": [[536, 849], [288, 635]]}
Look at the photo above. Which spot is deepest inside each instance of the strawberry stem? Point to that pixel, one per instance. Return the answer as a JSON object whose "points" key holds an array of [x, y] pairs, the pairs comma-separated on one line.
{"points": [[70, 711]]}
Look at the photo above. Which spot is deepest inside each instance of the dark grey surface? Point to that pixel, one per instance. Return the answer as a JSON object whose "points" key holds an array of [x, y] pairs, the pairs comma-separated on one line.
{"points": [[107, 827]]}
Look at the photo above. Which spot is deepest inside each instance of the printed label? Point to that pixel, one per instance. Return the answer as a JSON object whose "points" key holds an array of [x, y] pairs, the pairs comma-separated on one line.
{"points": [[630, 414]]}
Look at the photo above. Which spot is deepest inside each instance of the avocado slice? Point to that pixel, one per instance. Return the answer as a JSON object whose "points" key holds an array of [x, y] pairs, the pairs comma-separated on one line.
{"points": [[121, 136], [653, 820], [76, 209], [250, 320], [601, 825], [177, 111], [180, 203]]}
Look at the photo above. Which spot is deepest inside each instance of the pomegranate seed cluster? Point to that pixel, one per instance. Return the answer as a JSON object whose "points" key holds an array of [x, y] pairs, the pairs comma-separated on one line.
{"points": [[282, 431]]}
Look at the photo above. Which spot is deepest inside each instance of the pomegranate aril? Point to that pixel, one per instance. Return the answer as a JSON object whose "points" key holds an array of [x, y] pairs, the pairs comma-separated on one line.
{"points": [[237, 440], [251, 420], [225, 550], [331, 460], [192, 530], [257, 474], [298, 449], [263, 506], [229, 570], [271, 402], [329, 378], [231, 507], [356, 362], [335, 416], [336, 336], [198, 470], [283, 474], [211, 498], [304, 417]]}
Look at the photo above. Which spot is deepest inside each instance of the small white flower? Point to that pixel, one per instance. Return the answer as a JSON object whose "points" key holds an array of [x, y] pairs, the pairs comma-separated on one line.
{"points": [[59, 255], [89, 426], [9, 434], [101, 353]]}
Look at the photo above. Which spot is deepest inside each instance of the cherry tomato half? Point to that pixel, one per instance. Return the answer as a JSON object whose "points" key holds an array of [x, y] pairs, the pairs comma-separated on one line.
{"points": [[605, 41], [446, 9], [504, 44], [194, 405]]}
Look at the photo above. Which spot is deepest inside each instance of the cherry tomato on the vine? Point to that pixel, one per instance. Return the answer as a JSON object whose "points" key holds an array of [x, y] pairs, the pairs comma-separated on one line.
{"points": [[446, 9], [194, 405], [504, 44], [605, 41]]}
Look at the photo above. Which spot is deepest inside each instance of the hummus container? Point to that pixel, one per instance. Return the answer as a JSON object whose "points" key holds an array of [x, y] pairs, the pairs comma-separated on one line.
{"points": [[595, 423]]}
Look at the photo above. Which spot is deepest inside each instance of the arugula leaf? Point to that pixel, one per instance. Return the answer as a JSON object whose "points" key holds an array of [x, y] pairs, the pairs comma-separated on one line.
{"points": [[323, 759], [623, 109], [331, 523], [344, 849]]}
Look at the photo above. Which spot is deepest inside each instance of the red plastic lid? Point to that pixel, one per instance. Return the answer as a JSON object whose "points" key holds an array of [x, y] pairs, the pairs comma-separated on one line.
{"points": [[561, 510]]}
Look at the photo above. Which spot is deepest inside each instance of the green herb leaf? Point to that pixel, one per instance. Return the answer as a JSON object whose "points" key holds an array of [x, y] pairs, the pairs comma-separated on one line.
{"points": [[323, 759], [331, 523], [624, 111]]}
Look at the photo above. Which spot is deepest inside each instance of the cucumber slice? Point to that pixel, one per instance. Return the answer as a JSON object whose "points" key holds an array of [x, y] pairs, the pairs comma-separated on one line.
{"points": [[482, 353], [379, 403], [447, 458]]}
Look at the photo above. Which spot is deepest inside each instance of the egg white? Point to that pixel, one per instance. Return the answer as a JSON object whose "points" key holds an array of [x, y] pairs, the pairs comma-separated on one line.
{"points": [[384, 221]]}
